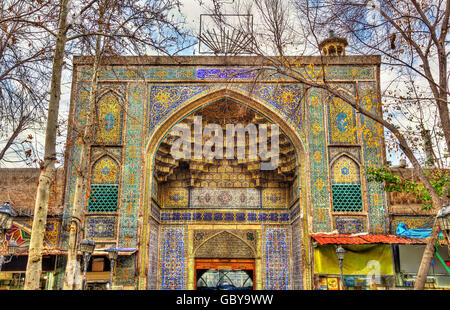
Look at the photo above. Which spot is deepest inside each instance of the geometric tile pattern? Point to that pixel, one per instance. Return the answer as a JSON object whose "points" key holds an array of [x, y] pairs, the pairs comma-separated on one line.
{"points": [[274, 198], [345, 171], [153, 262], [17, 234], [175, 73], [101, 227], [51, 232], [225, 198], [105, 170], [207, 216], [164, 99], [373, 157], [79, 119], [103, 198], [176, 197], [318, 163], [132, 167], [276, 258], [350, 225], [109, 130], [125, 271], [346, 185], [173, 258], [133, 73], [297, 261], [341, 122], [225, 74], [22, 235], [347, 197], [284, 99]]}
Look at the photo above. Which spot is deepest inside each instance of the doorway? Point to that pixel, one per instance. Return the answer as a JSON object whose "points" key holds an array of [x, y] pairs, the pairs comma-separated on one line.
{"points": [[224, 274]]}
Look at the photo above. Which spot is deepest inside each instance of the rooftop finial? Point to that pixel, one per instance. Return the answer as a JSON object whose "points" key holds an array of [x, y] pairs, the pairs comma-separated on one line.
{"points": [[331, 32]]}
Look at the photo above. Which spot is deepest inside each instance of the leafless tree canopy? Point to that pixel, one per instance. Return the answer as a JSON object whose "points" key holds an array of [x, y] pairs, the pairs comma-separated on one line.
{"points": [[412, 37], [24, 63], [28, 30], [129, 27]]}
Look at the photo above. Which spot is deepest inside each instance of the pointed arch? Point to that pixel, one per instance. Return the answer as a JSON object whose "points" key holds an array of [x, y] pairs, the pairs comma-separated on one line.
{"points": [[346, 185], [106, 90], [335, 157], [104, 185], [234, 246], [160, 129], [346, 170], [345, 90], [105, 170], [273, 114]]}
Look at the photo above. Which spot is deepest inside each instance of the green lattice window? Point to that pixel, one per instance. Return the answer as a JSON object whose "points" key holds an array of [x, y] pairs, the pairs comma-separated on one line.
{"points": [[347, 197], [103, 198]]}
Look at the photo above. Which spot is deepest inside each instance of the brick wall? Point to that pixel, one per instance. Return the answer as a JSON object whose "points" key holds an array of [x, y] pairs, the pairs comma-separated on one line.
{"points": [[19, 185]]}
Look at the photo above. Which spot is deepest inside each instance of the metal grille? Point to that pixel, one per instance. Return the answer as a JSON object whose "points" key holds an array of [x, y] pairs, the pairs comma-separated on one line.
{"points": [[347, 197], [103, 198], [225, 279]]}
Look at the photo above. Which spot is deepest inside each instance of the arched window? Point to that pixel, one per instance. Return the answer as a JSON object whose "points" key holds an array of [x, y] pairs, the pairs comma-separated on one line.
{"points": [[104, 185], [346, 185], [109, 130]]}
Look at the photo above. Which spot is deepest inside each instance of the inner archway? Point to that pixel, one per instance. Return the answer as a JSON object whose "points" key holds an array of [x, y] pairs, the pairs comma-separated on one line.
{"points": [[224, 261]]}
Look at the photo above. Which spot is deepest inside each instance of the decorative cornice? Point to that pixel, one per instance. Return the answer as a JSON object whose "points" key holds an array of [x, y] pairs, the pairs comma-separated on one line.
{"points": [[225, 61]]}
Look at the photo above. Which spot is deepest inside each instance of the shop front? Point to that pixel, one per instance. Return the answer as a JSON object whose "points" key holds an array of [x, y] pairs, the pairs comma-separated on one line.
{"points": [[408, 257], [367, 264], [12, 275], [407, 260]]}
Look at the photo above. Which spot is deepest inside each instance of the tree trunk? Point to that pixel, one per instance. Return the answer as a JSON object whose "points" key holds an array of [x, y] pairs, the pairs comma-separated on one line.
{"points": [[34, 266], [71, 279], [428, 255]]}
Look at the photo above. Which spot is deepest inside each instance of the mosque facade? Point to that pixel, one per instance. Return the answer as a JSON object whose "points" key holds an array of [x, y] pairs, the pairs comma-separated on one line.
{"points": [[199, 222]]}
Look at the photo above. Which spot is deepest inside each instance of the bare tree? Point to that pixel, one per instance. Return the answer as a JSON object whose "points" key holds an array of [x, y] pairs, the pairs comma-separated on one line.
{"points": [[24, 59], [410, 35], [34, 265]]}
